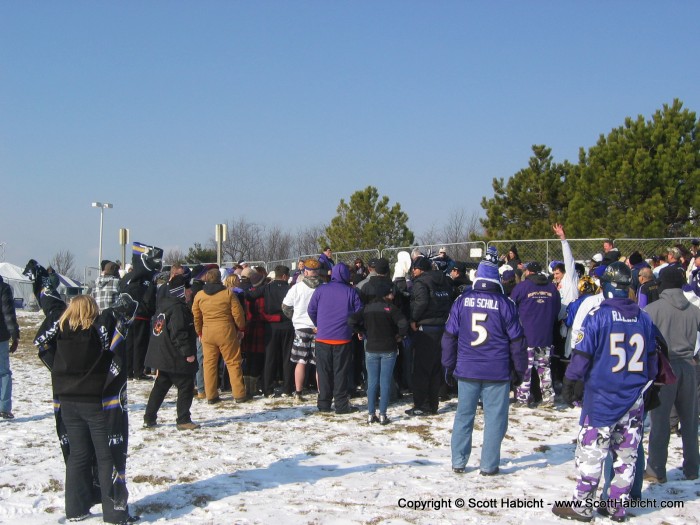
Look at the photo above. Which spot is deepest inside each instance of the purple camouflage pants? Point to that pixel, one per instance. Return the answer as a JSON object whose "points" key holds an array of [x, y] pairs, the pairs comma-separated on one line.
{"points": [[537, 356], [594, 443]]}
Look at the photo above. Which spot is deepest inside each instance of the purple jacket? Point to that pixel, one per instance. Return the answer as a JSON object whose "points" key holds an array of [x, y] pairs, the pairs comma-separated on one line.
{"points": [[331, 305], [538, 303], [483, 338]]}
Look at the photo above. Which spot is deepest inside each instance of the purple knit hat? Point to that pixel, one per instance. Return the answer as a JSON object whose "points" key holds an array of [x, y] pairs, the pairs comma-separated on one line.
{"points": [[487, 272]]}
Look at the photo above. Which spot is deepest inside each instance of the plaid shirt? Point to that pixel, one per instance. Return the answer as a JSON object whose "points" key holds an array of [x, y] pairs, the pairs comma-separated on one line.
{"points": [[106, 291], [254, 340]]}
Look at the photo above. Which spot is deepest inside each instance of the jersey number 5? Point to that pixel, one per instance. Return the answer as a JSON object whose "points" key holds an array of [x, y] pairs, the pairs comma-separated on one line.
{"points": [[617, 349], [478, 329]]}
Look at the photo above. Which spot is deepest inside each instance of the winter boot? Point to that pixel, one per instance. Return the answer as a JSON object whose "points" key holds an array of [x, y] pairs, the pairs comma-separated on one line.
{"points": [[248, 382]]}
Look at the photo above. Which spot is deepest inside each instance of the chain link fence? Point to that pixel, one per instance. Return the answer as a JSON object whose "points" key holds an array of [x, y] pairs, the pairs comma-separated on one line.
{"points": [[90, 275], [459, 251], [650, 247], [231, 264], [349, 257], [345, 257], [291, 263], [543, 251]]}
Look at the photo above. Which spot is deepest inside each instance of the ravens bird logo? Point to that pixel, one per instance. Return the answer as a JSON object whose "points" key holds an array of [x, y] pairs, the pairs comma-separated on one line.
{"points": [[159, 325]]}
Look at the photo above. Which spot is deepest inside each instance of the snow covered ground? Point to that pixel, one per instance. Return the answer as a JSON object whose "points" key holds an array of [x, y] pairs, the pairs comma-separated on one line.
{"points": [[269, 462]]}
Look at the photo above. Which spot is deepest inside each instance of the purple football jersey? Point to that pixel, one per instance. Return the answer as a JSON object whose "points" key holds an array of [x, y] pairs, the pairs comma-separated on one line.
{"points": [[616, 357], [485, 323]]}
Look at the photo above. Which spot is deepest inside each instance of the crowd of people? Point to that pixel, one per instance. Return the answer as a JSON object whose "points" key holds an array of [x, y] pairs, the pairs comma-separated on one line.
{"points": [[617, 338]]}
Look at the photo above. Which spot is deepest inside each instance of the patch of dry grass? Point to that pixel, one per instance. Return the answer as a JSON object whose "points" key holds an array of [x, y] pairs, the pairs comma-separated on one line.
{"points": [[202, 500], [155, 508], [424, 431], [153, 480], [186, 479], [54, 485], [28, 326], [14, 488]]}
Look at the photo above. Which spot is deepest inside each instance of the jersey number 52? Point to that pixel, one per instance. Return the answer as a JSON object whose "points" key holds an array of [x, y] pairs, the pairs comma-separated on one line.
{"points": [[617, 349]]}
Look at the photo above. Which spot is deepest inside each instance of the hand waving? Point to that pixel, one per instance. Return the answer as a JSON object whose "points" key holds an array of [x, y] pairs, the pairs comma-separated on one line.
{"points": [[559, 231]]}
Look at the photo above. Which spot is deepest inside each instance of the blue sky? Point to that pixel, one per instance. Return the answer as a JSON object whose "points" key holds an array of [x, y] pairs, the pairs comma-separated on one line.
{"points": [[188, 114]]}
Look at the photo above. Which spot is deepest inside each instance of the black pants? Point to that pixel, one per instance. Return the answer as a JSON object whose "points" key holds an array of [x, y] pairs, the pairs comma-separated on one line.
{"points": [[278, 348], [137, 345], [427, 367], [253, 363], [161, 386], [557, 363], [333, 366], [358, 376], [86, 425]]}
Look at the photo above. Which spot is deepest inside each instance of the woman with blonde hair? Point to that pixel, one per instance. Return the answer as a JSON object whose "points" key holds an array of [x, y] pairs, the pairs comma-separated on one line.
{"points": [[83, 366], [232, 281], [218, 320]]}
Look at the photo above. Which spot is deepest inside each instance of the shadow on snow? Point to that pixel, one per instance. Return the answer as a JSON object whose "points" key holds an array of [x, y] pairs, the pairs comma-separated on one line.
{"points": [[282, 472]]}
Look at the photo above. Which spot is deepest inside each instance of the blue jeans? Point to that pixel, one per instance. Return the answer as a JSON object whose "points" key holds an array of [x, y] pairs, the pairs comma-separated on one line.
{"points": [[494, 396], [199, 377], [380, 372], [5, 377]]}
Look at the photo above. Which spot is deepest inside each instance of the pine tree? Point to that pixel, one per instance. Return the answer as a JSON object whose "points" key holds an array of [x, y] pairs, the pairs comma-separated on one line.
{"points": [[530, 202], [641, 180], [367, 222]]}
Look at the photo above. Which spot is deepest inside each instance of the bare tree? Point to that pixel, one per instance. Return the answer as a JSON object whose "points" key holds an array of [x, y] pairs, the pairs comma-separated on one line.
{"points": [[244, 240], [174, 256], [277, 245], [461, 226], [306, 242], [431, 236], [64, 263]]}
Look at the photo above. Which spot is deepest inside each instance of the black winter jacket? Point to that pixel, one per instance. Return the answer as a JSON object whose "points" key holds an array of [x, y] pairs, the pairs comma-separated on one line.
{"points": [[459, 285], [81, 364], [139, 285], [9, 329], [381, 322], [274, 293], [369, 291], [173, 338], [431, 298]]}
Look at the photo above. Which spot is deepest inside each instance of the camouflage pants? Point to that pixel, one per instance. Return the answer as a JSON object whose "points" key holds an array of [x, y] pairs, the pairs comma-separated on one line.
{"points": [[622, 440], [538, 357]]}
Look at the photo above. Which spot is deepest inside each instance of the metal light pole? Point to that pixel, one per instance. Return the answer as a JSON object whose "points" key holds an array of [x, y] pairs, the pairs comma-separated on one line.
{"points": [[220, 235], [123, 241], [101, 206]]}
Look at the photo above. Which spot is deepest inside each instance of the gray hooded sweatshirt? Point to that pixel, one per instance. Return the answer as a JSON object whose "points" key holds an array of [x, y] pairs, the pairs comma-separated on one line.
{"points": [[677, 320]]}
